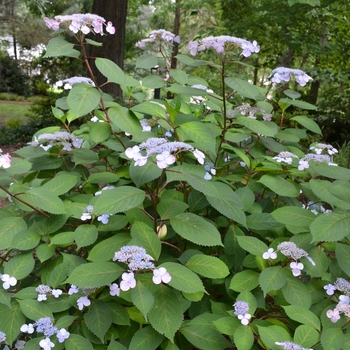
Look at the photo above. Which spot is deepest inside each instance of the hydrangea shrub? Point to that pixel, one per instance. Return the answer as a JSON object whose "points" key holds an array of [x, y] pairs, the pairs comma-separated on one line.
{"points": [[187, 222]]}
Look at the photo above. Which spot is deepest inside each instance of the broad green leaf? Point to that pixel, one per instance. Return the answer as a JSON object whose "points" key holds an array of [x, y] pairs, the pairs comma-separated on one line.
{"points": [[5, 297], [59, 47], [146, 61], [290, 215], [95, 274], [11, 321], [255, 126], [104, 251], [125, 120], [201, 134], [308, 124], [63, 238], [65, 321], [167, 208], [166, 316], [185, 90], [58, 304], [245, 89], [18, 166], [20, 266], [272, 278], [179, 76], [82, 99], [99, 132], [302, 315], [44, 252], [61, 184], [252, 245], [342, 252], [34, 309], [153, 82], [119, 200], [244, 338], [143, 174], [227, 325], [306, 336], [333, 172], [102, 177], [9, 227], [84, 156], [298, 103], [142, 298], [85, 235], [196, 229], [330, 227], [77, 342], [145, 339], [148, 107], [58, 275], [332, 338], [113, 345], [261, 222], [280, 186], [269, 335], [296, 293], [183, 279], [244, 280], [110, 70], [144, 236], [98, 318], [208, 266], [119, 314]]}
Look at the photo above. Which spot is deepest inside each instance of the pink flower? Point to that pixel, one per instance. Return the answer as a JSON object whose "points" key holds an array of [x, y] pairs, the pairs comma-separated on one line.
{"points": [[110, 28], [333, 315]]}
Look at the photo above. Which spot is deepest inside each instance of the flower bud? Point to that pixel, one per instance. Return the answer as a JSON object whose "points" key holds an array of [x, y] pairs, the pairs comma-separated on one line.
{"points": [[162, 231]]}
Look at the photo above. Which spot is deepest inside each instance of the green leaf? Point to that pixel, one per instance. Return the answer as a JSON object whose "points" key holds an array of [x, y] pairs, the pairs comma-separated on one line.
{"points": [[245, 89], [272, 278], [58, 275], [342, 252], [142, 298], [201, 134], [196, 229], [99, 131], [103, 177], [61, 184], [82, 99], [179, 76], [183, 279], [208, 266], [119, 200], [144, 236], [255, 126], [44, 252], [65, 321], [333, 172], [332, 338], [124, 119], [244, 338], [59, 47], [296, 293], [18, 166], [110, 70], [227, 325], [290, 215], [143, 174], [244, 280], [146, 61], [95, 274], [167, 208], [113, 345], [145, 339], [330, 227], [302, 315], [148, 107], [280, 186], [104, 251], [9, 227], [297, 103], [20, 266], [5, 297], [166, 316], [269, 335], [77, 342], [34, 309], [306, 336], [261, 222], [252, 245], [84, 156], [85, 235], [153, 82], [99, 318], [119, 314], [11, 321], [308, 124]]}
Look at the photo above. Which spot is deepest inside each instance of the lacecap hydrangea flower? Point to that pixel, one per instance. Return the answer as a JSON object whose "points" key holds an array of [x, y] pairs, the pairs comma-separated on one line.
{"points": [[284, 74], [288, 345], [157, 36], [241, 309], [5, 160]]}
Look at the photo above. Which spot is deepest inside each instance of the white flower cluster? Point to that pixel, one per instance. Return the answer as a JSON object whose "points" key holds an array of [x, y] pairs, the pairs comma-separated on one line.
{"points": [[210, 170], [44, 325], [316, 208], [285, 157], [284, 74], [158, 36], [163, 150], [43, 290], [241, 311], [8, 281], [82, 301], [200, 99], [2, 337], [68, 83], [288, 345], [222, 44], [59, 138], [5, 160], [318, 148], [81, 22], [87, 214]]}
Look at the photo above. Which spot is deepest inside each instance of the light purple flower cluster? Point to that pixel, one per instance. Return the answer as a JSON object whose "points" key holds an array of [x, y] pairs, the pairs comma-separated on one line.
{"points": [[316, 208], [68, 83], [2, 337], [81, 22], [288, 345], [158, 36], [43, 290], [241, 311], [135, 257], [222, 44], [284, 74]]}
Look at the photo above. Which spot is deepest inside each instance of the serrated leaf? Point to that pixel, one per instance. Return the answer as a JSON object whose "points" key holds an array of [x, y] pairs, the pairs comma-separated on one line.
{"points": [[9, 227], [59, 47], [27, 239], [142, 298], [306, 336], [244, 280], [308, 124], [11, 321], [58, 275], [119, 200], [61, 184], [65, 321], [148, 107], [245, 89], [84, 156], [146, 61], [85, 235], [82, 99], [99, 132], [332, 172], [269, 335], [5, 297], [119, 314], [332, 338], [342, 252], [196, 229], [34, 309], [113, 345], [63, 238], [167, 208], [261, 222], [296, 293], [95, 274], [244, 338], [166, 316], [20, 266], [44, 252], [302, 315], [290, 215], [208, 266], [77, 342], [99, 318], [272, 278], [145, 339], [252, 245], [280, 186], [255, 126], [143, 174], [227, 325], [103, 177]]}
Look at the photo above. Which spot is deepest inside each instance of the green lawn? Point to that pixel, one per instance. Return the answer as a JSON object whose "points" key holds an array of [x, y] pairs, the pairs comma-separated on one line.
{"points": [[12, 111]]}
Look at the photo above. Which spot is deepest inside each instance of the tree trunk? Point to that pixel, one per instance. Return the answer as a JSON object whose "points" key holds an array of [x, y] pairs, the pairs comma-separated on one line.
{"points": [[113, 45]]}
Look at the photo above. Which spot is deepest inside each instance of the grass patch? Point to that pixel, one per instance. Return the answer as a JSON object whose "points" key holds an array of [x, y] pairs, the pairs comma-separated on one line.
{"points": [[12, 112]]}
